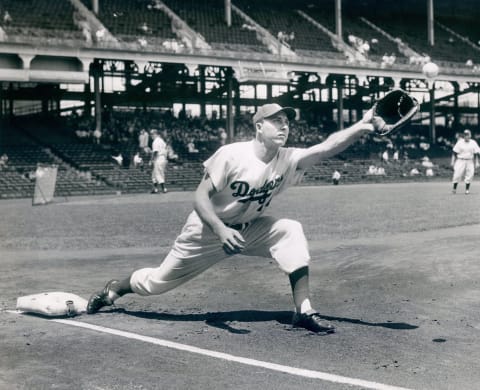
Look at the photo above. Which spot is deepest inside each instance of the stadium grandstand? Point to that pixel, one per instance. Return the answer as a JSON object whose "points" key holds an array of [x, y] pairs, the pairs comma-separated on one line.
{"points": [[81, 78]]}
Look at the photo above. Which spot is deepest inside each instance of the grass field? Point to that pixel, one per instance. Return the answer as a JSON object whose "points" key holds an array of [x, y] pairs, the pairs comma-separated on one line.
{"points": [[395, 267]]}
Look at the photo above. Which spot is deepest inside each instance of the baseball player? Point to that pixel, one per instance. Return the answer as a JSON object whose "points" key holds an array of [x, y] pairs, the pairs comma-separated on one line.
{"points": [[465, 151], [159, 161], [240, 181]]}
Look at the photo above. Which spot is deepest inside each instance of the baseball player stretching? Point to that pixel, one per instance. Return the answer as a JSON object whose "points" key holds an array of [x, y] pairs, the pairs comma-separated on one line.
{"points": [[159, 161], [238, 186], [465, 151]]}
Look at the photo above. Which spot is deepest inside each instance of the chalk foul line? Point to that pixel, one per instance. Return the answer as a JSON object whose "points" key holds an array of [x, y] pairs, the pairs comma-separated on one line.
{"points": [[312, 374]]}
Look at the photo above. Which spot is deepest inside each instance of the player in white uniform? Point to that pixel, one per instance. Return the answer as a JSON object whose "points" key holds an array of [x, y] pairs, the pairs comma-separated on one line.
{"points": [[465, 151], [159, 161], [239, 183]]}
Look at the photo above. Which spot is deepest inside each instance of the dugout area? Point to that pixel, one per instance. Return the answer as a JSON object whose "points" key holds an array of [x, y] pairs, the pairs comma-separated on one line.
{"points": [[396, 271]]}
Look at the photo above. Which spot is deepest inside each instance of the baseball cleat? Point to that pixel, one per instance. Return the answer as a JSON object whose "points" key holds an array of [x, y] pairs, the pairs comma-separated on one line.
{"points": [[100, 299], [454, 192], [312, 322]]}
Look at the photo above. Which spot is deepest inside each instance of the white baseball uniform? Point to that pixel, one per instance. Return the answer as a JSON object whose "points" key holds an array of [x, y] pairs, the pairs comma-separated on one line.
{"points": [[160, 161], [464, 165], [245, 188]]}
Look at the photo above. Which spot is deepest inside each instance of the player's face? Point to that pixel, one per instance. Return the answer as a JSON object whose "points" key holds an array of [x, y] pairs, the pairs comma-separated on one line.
{"points": [[275, 128], [467, 137]]}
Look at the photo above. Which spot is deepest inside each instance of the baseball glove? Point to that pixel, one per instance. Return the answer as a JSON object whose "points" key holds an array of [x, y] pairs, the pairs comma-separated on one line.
{"points": [[393, 111]]}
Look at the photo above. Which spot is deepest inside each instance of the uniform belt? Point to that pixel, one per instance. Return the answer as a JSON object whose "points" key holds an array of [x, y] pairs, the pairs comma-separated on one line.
{"points": [[465, 158], [238, 226]]}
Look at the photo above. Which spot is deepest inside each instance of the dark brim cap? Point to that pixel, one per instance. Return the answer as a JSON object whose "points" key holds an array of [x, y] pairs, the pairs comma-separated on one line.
{"points": [[270, 109]]}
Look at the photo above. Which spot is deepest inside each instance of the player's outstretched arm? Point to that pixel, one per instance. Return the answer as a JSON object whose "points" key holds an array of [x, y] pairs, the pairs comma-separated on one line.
{"points": [[336, 142], [231, 240]]}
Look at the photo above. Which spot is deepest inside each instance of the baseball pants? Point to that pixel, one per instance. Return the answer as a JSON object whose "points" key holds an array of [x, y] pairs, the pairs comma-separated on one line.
{"points": [[158, 172], [463, 168], [196, 249]]}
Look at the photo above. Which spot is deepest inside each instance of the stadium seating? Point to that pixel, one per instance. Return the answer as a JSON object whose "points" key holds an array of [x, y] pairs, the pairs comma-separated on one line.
{"points": [[446, 46], [130, 20], [282, 17], [208, 18], [43, 19]]}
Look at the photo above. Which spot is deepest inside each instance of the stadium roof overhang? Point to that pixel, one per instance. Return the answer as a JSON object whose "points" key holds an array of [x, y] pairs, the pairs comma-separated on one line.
{"points": [[65, 64]]}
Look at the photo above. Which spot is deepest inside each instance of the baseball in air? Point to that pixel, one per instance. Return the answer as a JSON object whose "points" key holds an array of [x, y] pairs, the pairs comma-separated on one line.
{"points": [[430, 70]]}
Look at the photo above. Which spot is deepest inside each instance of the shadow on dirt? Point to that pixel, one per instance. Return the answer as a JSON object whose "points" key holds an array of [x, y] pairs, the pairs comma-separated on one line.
{"points": [[220, 319]]}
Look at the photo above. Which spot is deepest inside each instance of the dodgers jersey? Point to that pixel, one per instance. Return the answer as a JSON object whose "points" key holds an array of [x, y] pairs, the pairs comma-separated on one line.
{"points": [[246, 185], [466, 150]]}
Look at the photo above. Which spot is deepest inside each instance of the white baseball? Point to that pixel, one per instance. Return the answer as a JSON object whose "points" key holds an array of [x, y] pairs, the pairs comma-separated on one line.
{"points": [[430, 70]]}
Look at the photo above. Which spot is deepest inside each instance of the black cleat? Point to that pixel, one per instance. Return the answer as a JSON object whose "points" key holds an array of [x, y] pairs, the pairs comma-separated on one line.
{"points": [[312, 322], [100, 299]]}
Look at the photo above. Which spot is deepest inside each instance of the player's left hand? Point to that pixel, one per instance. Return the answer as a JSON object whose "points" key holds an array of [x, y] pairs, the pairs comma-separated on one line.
{"points": [[367, 118], [393, 111]]}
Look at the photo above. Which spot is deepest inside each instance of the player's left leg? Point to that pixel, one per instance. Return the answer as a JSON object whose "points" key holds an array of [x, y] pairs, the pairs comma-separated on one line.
{"points": [[284, 241], [195, 250], [469, 172]]}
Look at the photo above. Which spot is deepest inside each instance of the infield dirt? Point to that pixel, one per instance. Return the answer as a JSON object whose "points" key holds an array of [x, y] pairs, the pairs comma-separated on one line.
{"points": [[395, 267]]}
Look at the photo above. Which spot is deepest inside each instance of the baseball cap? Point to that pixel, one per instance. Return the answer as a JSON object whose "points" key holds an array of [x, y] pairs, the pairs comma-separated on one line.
{"points": [[467, 132], [270, 109]]}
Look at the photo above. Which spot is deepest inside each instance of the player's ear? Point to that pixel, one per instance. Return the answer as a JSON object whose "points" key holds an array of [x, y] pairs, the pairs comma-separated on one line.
{"points": [[258, 126]]}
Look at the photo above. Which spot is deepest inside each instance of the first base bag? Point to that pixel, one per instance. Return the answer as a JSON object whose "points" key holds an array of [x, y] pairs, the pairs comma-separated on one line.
{"points": [[52, 304]]}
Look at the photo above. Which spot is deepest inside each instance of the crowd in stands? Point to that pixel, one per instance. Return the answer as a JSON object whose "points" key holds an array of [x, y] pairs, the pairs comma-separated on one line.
{"points": [[196, 138]]}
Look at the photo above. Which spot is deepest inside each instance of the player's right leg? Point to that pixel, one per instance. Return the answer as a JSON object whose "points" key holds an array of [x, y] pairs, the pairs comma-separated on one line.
{"points": [[284, 240], [469, 172]]}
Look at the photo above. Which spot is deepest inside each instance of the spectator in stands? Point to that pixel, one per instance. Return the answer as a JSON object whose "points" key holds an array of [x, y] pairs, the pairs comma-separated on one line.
{"points": [[395, 156], [97, 135], [336, 177], [143, 139], [414, 172], [385, 157], [191, 146], [223, 136], [118, 158], [171, 155], [372, 170], [3, 161], [426, 162], [7, 19], [83, 25], [145, 28], [137, 160]]}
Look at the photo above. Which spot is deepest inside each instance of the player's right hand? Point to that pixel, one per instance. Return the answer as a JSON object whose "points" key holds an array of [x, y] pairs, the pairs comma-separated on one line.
{"points": [[232, 241]]}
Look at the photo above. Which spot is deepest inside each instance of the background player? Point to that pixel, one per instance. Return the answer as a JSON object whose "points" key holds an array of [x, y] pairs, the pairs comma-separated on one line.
{"points": [[159, 161], [239, 183], [465, 151]]}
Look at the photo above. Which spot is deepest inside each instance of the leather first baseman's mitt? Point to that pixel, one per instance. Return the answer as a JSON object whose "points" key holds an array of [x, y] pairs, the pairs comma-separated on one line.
{"points": [[393, 111]]}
